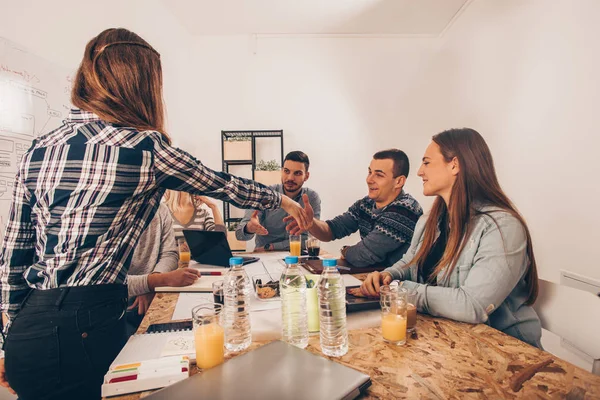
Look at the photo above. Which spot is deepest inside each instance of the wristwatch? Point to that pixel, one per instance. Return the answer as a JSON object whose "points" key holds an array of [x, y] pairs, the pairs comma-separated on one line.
{"points": [[267, 247], [343, 251]]}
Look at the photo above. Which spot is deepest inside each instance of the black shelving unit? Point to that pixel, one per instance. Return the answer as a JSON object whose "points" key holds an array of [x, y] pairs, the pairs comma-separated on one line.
{"points": [[253, 135]]}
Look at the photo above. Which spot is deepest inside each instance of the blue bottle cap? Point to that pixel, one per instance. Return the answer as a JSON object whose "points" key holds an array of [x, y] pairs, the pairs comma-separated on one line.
{"points": [[236, 261], [329, 262], [291, 260]]}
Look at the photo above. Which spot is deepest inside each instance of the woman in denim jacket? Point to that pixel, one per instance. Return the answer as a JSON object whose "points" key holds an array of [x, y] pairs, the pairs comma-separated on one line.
{"points": [[471, 258]]}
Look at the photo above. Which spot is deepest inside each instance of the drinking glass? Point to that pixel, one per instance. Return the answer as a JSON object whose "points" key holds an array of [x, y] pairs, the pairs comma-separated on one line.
{"points": [[184, 251], [411, 310], [209, 335], [295, 245], [393, 314], [313, 247]]}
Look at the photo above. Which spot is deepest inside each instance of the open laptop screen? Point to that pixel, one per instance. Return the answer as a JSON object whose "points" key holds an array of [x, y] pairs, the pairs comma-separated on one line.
{"points": [[211, 247]]}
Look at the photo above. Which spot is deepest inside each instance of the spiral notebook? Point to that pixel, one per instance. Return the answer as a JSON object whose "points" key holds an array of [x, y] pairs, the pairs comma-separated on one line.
{"points": [[160, 343]]}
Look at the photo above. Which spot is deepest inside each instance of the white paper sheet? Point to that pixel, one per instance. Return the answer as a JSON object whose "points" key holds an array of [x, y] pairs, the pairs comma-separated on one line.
{"points": [[256, 268], [275, 268], [187, 301]]}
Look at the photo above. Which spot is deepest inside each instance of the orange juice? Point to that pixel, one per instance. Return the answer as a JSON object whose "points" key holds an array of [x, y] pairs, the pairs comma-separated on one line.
{"points": [[295, 248], [184, 256], [393, 328], [210, 342]]}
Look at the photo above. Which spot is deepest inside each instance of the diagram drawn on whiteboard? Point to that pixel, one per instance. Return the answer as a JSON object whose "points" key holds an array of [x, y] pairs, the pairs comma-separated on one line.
{"points": [[34, 99]]}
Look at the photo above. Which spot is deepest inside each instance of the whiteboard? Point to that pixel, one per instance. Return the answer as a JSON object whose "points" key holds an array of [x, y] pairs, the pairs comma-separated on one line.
{"points": [[34, 99]]}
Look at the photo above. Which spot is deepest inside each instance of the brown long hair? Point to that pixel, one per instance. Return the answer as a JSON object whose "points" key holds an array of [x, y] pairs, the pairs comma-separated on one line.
{"points": [[120, 80], [476, 184]]}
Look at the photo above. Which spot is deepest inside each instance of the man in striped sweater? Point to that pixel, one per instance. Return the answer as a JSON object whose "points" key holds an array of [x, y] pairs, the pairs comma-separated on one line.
{"points": [[385, 218]]}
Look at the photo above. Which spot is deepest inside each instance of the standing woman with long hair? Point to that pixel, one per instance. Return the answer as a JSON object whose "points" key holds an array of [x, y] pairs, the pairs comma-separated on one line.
{"points": [[471, 258], [82, 196]]}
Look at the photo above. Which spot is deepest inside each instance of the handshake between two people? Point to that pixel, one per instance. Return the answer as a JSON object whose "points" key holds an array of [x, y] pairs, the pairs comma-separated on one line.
{"points": [[298, 220], [293, 225]]}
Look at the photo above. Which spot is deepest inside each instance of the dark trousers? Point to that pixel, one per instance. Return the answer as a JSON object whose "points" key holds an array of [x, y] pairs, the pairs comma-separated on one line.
{"points": [[63, 340], [133, 321]]}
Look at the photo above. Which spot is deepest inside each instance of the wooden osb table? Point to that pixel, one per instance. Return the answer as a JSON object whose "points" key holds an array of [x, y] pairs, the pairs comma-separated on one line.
{"points": [[443, 360]]}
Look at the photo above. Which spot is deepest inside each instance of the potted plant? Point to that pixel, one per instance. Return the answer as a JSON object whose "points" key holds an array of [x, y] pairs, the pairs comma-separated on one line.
{"points": [[234, 244], [237, 148], [267, 172]]}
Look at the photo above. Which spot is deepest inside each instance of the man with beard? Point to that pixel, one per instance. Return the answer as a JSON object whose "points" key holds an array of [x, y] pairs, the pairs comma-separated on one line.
{"points": [[268, 225]]}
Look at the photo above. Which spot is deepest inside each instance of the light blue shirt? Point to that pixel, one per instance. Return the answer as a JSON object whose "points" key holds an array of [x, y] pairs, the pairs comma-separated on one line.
{"points": [[272, 220], [487, 285]]}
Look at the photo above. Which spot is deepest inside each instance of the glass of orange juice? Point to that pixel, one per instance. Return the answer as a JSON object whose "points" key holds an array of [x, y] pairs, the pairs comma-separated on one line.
{"points": [[184, 251], [295, 245], [393, 314], [209, 335]]}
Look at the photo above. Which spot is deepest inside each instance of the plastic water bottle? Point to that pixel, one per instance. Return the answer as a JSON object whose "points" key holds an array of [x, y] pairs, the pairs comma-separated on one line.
{"points": [[236, 317], [332, 310], [292, 286]]}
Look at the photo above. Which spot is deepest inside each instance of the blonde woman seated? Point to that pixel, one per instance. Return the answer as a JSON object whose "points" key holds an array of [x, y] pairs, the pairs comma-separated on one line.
{"points": [[471, 258], [193, 212]]}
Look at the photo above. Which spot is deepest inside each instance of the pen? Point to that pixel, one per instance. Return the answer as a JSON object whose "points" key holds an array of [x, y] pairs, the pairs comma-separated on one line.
{"points": [[344, 268], [209, 273]]}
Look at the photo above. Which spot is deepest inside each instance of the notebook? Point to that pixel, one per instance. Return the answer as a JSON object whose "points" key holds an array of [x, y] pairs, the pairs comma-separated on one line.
{"points": [[146, 375], [170, 327], [149, 346], [274, 371], [203, 284]]}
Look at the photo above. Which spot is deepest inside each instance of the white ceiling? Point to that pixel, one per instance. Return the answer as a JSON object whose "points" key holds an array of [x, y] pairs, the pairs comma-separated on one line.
{"points": [[402, 17]]}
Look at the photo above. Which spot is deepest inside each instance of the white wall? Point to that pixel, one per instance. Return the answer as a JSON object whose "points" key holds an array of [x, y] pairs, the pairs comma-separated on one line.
{"points": [[59, 30], [338, 100], [524, 73]]}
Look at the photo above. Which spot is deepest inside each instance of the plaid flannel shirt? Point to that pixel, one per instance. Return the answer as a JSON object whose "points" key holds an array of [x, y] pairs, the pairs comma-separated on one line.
{"points": [[84, 193]]}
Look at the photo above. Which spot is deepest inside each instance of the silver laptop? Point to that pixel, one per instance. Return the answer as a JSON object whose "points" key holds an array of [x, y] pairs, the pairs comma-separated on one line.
{"points": [[274, 371]]}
